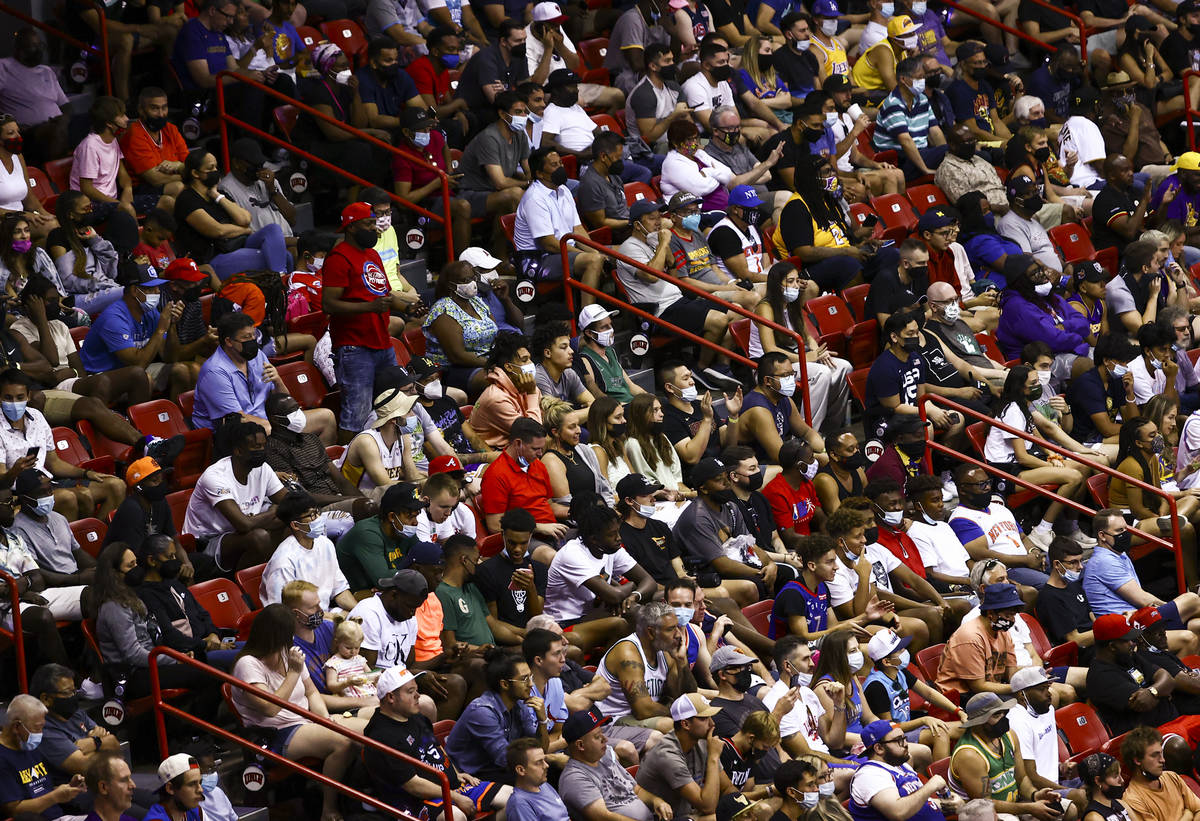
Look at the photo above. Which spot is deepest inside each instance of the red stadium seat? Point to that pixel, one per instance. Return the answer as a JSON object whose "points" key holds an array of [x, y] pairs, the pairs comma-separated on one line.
{"points": [[161, 417], [304, 382], [78, 334], [250, 580], [858, 385], [606, 122], [403, 354], [101, 444], [635, 191], [930, 659], [862, 343], [855, 298], [59, 172], [990, 348], [1098, 486], [740, 331], [1082, 728], [179, 502], [491, 545], [348, 35], [90, 534], [285, 118], [897, 215], [592, 52], [940, 767], [759, 615], [441, 729], [830, 314], [414, 340], [69, 448], [309, 36], [223, 600], [187, 403], [924, 197]]}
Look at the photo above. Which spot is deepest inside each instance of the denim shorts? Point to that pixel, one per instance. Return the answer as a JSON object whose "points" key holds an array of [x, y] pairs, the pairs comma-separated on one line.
{"points": [[355, 367]]}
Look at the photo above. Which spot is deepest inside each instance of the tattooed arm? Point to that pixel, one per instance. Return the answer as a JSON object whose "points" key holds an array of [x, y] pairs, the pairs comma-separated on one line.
{"points": [[625, 664]]}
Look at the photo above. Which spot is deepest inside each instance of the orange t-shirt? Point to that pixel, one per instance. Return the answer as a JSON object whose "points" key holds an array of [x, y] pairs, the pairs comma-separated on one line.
{"points": [[430, 621], [1169, 802], [973, 654], [141, 151]]}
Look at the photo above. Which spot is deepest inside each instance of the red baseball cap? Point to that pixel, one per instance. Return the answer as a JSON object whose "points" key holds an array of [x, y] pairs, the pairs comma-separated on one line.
{"points": [[1112, 627], [354, 212], [445, 464], [184, 269], [1146, 617]]}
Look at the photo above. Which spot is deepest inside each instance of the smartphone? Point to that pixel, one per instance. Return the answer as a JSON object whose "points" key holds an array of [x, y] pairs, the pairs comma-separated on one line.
{"points": [[33, 451], [870, 221]]}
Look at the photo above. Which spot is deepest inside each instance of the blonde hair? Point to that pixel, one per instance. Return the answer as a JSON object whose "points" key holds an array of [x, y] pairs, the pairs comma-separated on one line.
{"points": [[555, 413], [347, 631], [763, 726], [294, 591]]}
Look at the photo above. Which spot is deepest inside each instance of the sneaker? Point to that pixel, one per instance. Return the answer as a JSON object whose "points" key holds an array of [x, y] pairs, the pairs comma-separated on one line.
{"points": [[1082, 539], [164, 451], [1041, 538], [91, 690], [718, 381]]}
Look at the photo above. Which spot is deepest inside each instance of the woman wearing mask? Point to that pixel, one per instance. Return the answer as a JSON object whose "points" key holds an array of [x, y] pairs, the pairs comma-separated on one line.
{"points": [[828, 376], [460, 329], [689, 23], [650, 451], [1028, 152], [1163, 411], [987, 249], [1155, 85], [381, 456], [1137, 457], [86, 262], [1018, 457], [572, 466], [15, 194], [845, 474], [1030, 311], [689, 168], [214, 230], [765, 94], [19, 258], [607, 436], [840, 661], [512, 390]]}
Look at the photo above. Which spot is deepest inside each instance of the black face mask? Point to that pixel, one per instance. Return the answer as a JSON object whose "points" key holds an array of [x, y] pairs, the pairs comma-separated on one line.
{"points": [[754, 481], [935, 80], [1112, 792], [518, 52], [975, 499], [724, 496], [250, 349], [618, 430], [858, 460], [911, 344], [721, 73], [256, 458], [656, 428], [667, 73], [913, 450], [136, 576], [979, 74], [559, 177], [154, 123], [193, 294], [998, 729], [1042, 154], [170, 568], [1033, 202], [155, 493], [741, 682], [766, 62], [388, 71], [365, 237], [211, 178], [918, 271], [66, 707], [964, 151], [813, 134], [1035, 393], [871, 534], [566, 99], [1123, 541], [616, 168]]}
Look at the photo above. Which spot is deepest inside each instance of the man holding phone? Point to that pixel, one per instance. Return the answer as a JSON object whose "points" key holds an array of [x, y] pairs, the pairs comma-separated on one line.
{"points": [[25, 785]]}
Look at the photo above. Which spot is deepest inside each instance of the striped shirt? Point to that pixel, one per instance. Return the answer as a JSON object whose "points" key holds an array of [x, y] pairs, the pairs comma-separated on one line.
{"points": [[896, 118]]}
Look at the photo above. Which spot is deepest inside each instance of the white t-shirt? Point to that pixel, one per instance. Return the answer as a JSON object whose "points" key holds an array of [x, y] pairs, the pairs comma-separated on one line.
{"points": [[1145, 385], [534, 51], [940, 549], [998, 447], [1189, 450], [460, 520], [392, 640], [574, 564], [291, 561], [844, 584], [998, 525], [1039, 739], [572, 125], [803, 718], [870, 781], [218, 483], [1081, 135], [701, 96]]}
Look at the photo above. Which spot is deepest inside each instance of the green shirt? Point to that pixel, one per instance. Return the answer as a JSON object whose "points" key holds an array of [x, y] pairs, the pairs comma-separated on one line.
{"points": [[465, 612], [610, 376], [367, 555]]}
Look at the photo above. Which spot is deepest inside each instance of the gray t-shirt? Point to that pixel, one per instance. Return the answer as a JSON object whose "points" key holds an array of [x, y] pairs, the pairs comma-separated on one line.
{"points": [[1032, 238], [647, 101], [1118, 299], [666, 770], [568, 387], [631, 31], [490, 148], [701, 531], [694, 258], [255, 199], [660, 293], [597, 193], [51, 541], [581, 785]]}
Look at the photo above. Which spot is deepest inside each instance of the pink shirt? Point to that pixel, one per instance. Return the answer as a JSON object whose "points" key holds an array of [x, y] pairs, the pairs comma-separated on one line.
{"points": [[253, 671], [32, 95], [99, 162]]}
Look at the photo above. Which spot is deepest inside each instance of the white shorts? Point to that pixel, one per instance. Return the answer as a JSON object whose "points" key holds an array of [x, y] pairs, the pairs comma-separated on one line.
{"points": [[62, 602]]}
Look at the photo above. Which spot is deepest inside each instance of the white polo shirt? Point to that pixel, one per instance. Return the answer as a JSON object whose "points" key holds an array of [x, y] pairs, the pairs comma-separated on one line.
{"points": [[544, 212]]}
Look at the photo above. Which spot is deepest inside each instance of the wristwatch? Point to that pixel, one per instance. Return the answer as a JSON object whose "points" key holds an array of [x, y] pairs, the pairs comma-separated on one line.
{"points": [[1153, 691]]}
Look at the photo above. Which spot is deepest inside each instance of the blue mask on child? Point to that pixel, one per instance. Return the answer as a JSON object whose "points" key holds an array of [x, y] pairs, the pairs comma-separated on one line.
{"points": [[691, 222]]}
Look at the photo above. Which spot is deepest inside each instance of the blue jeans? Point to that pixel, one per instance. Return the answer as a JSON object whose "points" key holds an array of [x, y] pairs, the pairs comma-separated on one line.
{"points": [[1027, 576], [355, 368], [265, 250]]}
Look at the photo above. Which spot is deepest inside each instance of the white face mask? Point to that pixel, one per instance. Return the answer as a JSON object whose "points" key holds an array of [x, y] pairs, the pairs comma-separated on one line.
{"points": [[421, 138], [787, 385], [855, 660], [316, 264], [825, 789], [791, 294], [529, 369], [831, 118], [342, 77], [646, 510], [810, 470], [1043, 288], [688, 394], [605, 338], [467, 290], [802, 45], [909, 43], [383, 223], [296, 421], [432, 390], [893, 517], [1044, 378], [953, 312], [488, 277], [802, 680], [829, 27]]}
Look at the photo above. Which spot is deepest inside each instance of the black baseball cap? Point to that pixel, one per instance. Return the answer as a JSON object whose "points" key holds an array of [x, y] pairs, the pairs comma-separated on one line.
{"points": [[634, 485]]}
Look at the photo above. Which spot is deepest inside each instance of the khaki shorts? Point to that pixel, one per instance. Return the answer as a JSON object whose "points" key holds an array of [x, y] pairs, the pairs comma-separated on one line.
{"points": [[58, 405], [588, 92], [1050, 215]]}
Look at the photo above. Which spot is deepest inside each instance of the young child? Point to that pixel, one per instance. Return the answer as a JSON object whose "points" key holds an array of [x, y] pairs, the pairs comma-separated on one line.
{"points": [[304, 284], [346, 672]]}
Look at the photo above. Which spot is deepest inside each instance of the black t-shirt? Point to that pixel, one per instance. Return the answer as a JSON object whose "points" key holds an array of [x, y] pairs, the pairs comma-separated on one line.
{"points": [[1109, 687], [653, 547], [1109, 204], [191, 242], [1112, 9], [939, 370], [888, 294], [486, 67], [757, 512], [1087, 395], [725, 242], [388, 775], [678, 426], [133, 524], [727, 723], [317, 91], [735, 766], [1061, 610], [448, 419], [1180, 53], [1114, 813], [492, 578], [793, 151], [1187, 703], [797, 70], [723, 13]]}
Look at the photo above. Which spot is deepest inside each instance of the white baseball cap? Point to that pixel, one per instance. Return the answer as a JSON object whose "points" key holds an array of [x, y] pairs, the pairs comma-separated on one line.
{"points": [[594, 313], [886, 642], [176, 765], [548, 13], [393, 678], [478, 258], [691, 705]]}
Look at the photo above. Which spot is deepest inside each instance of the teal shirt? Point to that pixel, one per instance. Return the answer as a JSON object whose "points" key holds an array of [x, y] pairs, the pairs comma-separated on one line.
{"points": [[465, 612], [367, 555]]}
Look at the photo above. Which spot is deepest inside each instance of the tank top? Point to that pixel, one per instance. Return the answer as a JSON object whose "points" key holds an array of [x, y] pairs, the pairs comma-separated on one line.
{"points": [[701, 24], [1002, 773], [907, 782], [1114, 813], [693, 644], [823, 237], [836, 61], [866, 76], [854, 712], [392, 462], [616, 705], [897, 692], [1094, 316], [781, 413], [751, 248], [13, 187], [579, 476], [856, 483], [816, 607], [782, 342], [609, 372]]}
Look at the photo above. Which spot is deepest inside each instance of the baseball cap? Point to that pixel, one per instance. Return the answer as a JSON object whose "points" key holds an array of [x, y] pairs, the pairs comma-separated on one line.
{"points": [[594, 313], [582, 722], [982, 706], [745, 196], [1000, 597], [886, 642], [900, 26], [28, 482], [476, 257], [836, 82], [641, 208], [826, 8], [1187, 7], [445, 464], [692, 705], [634, 485], [1015, 265], [732, 805], [1188, 160], [407, 581], [141, 469], [728, 656], [1113, 626], [176, 765], [875, 732], [184, 269], [422, 553], [403, 496], [134, 273], [422, 366], [1146, 618], [417, 119], [391, 404], [548, 13], [1091, 271], [1027, 677], [1019, 184], [706, 469], [248, 151], [969, 49], [997, 55], [935, 218], [682, 199], [393, 678], [354, 212], [562, 77]]}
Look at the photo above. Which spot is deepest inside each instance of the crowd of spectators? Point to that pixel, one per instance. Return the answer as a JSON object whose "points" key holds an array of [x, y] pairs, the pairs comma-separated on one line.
{"points": [[676, 552]]}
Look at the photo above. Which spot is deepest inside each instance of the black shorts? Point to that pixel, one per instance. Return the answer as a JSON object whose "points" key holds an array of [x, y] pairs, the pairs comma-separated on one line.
{"points": [[688, 313]]}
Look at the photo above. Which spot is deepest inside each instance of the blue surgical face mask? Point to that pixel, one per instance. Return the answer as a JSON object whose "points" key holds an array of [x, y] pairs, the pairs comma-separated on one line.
{"points": [[919, 85], [905, 658], [421, 138], [44, 505], [208, 782], [684, 614], [13, 410], [408, 530], [918, 8], [691, 222], [31, 743], [316, 528], [646, 510], [887, 9]]}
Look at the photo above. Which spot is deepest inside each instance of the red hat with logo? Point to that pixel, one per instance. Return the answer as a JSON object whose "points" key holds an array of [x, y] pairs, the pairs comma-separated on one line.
{"points": [[354, 212], [184, 269], [445, 464]]}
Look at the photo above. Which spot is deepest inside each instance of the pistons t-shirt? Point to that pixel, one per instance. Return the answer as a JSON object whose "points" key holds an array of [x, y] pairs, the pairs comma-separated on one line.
{"points": [[361, 277]]}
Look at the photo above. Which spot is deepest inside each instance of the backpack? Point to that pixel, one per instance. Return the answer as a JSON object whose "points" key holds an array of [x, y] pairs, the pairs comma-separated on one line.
{"points": [[258, 294]]}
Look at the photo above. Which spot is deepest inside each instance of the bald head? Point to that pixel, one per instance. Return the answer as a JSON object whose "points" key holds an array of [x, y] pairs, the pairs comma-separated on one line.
{"points": [[943, 303], [1118, 170], [940, 291]]}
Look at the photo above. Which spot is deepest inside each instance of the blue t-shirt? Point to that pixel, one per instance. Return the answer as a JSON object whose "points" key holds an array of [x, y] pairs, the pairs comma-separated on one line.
{"points": [[1086, 395], [794, 599], [543, 805], [282, 52], [196, 42], [115, 330], [826, 146], [930, 35], [1102, 575], [1055, 94], [24, 776], [985, 252], [389, 99], [555, 700], [159, 813], [317, 653], [58, 741], [889, 376], [968, 102]]}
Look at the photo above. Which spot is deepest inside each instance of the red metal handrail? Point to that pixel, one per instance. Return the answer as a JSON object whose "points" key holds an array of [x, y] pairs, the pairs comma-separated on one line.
{"points": [[1188, 107], [16, 635], [101, 50], [682, 284], [991, 21], [1173, 545], [1074, 18], [161, 706], [227, 119]]}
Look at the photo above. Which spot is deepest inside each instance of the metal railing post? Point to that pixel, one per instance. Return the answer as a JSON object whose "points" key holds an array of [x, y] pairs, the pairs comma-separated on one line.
{"points": [[18, 632]]}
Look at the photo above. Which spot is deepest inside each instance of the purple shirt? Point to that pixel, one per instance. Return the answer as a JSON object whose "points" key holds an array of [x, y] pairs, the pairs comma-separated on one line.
{"points": [[1185, 207], [930, 36], [195, 42], [221, 388]]}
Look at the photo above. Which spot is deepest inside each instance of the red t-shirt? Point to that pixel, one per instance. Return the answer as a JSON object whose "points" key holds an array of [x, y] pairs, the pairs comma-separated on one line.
{"points": [[428, 80], [792, 507], [941, 268], [903, 548], [160, 257], [361, 277], [405, 169], [141, 151], [505, 487]]}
